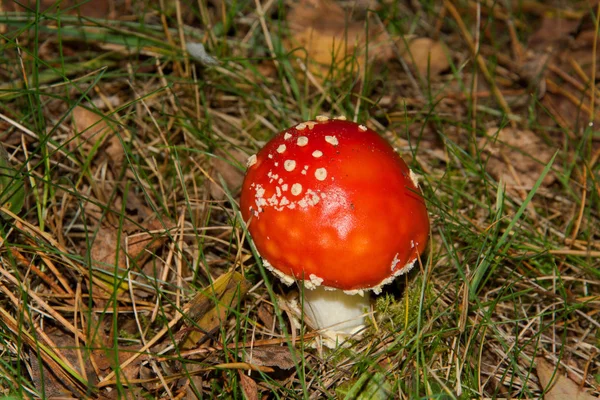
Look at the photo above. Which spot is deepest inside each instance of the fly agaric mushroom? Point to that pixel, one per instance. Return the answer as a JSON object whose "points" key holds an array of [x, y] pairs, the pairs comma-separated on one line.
{"points": [[331, 204]]}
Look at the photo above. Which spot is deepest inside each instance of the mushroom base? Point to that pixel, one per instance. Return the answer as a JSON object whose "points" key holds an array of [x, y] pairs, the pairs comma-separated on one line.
{"points": [[336, 314]]}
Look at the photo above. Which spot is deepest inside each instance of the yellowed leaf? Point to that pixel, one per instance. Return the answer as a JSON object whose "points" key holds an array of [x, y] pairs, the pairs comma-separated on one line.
{"points": [[322, 30], [561, 387], [428, 57], [210, 307]]}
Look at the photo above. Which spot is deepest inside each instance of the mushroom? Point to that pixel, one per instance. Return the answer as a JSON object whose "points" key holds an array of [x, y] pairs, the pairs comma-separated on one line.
{"points": [[329, 203]]}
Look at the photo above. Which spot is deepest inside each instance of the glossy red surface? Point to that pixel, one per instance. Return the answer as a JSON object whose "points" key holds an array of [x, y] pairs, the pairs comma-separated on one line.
{"points": [[347, 212]]}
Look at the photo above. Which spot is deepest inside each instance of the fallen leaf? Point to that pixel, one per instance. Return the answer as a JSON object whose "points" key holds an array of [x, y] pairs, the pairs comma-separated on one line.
{"points": [[194, 384], [270, 356], [49, 378], [209, 307], [109, 358], [427, 56], [90, 130], [110, 255], [561, 387], [322, 31], [249, 386], [266, 315], [517, 157]]}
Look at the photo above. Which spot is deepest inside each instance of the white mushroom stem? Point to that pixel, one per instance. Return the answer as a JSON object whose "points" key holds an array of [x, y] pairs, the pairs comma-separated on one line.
{"points": [[336, 314]]}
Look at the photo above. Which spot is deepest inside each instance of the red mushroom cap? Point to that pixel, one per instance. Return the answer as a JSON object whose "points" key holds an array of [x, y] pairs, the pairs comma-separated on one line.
{"points": [[329, 201]]}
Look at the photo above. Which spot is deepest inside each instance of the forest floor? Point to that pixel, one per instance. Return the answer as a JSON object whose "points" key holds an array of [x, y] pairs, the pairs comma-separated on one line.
{"points": [[125, 267]]}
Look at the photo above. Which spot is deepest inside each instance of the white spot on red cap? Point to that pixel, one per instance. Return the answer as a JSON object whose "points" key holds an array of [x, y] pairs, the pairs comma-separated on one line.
{"points": [[395, 262], [414, 178], [281, 148], [270, 156], [322, 118], [321, 174], [284, 187], [362, 128], [332, 140], [310, 124], [317, 153], [296, 189], [289, 165], [287, 136], [315, 280], [302, 141], [301, 126], [341, 118], [251, 161]]}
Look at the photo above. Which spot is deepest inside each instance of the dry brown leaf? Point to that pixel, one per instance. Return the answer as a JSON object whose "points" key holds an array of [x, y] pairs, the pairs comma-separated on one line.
{"points": [[561, 387], [232, 175], [266, 315], [427, 56], [107, 358], [323, 31], [138, 246], [249, 386], [271, 356], [517, 157], [89, 128], [46, 379]]}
